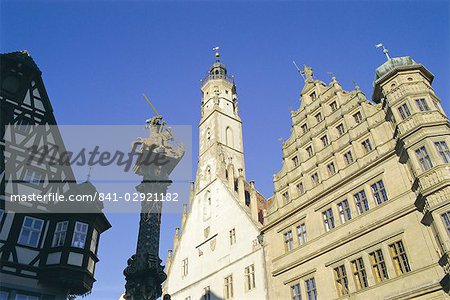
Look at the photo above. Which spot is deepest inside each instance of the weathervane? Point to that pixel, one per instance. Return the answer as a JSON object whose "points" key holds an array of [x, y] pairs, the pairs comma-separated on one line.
{"points": [[385, 51]]}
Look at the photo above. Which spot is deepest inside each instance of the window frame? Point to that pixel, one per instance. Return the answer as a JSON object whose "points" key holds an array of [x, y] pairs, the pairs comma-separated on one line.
{"points": [[77, 233], [341, 280], [359, 273], [379, 192], [60, 234], [399, 258], [443, 150], [345, 213], [328, 219], [302, 234], [378, 264], [31, 230], [359, 201], [423, 157]]}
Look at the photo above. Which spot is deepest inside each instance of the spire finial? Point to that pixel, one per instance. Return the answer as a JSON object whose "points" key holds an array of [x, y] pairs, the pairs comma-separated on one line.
{"points": [[217, 54], [385, 51]]}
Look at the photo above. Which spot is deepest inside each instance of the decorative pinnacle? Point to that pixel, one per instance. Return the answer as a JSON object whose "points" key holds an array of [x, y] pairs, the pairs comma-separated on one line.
{"points": [[385, 51], [217, 54]]}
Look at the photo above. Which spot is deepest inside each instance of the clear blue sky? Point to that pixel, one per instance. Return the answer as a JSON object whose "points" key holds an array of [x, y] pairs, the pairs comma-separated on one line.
{"points": [[98, 57]]}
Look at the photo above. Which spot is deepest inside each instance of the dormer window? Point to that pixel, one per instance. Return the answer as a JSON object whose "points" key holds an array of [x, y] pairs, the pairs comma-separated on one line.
{"points": [[295, 161], [358, 117], [313, 96], [333, 106], [310, 151], [304, 128], [286, 197], [319, 117]]}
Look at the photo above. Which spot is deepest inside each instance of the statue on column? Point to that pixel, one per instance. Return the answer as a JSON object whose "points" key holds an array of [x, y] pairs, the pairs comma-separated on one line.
{"points": [[158, 155]]}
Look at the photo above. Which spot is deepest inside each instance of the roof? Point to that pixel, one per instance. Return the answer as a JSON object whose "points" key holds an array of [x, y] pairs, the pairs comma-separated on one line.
{"points": [[23, 57]]}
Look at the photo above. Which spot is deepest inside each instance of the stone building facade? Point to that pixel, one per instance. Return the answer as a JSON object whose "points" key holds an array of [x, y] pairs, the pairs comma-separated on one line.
{"points": [[361, 209]]}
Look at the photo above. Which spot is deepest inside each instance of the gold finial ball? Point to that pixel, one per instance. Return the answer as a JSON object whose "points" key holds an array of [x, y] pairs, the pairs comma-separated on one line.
{"points": [[217, 54]]}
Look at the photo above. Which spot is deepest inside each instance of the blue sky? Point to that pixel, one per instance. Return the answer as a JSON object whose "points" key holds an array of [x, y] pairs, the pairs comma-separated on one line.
{"points": [[97, 58]]}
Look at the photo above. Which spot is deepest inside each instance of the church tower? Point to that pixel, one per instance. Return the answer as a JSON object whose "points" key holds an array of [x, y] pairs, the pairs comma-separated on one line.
{"points": [[220, 128], [216, 253]]}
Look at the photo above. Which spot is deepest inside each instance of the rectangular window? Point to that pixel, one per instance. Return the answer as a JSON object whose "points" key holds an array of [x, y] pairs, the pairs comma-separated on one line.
{"points": [[358, 117], [300, 188], [348, 157], [424, 158], [2, 213], [378, 265], [399, 257], [295, 161], [295, 292], [315, 178], [310, 151], [446, 219], [442, 148], [206, 293], [359, 273], [379, 192], [3, 295], [324, 140], [288, 240], [232, 236], [331, 169], [333, 106], [304, 128], [311, 291], [328, 219], [59, 236], [344, 211], [341, 280], [286, 197], [367, 146], [185, 267], [319, 117], [301, 234], [404, 111], [228, 287], [30, 232], [250, 277], [33, 177], [94, 241], [313, 96], [422, 104], [361, 202], [79, 235], [340, 129]]}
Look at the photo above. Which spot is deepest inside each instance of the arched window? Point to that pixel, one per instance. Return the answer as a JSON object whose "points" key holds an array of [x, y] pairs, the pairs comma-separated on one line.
{"points": [[229, 137]]}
